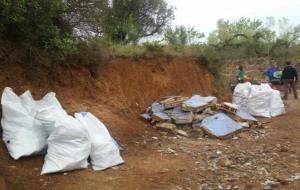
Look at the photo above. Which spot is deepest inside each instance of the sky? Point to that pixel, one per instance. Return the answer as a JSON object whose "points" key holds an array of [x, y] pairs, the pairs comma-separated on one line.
{"points": [[204, 14]]}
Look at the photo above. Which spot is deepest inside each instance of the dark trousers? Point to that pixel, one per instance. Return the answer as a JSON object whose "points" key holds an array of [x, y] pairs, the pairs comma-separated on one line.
{"points": [[289, 84]]}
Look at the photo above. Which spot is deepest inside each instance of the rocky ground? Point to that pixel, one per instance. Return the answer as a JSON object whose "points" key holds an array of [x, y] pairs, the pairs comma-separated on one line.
{"points": [[258, 158]]}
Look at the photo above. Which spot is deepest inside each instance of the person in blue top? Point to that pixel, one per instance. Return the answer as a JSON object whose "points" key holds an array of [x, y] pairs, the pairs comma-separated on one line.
{"points": [[270, 72]]}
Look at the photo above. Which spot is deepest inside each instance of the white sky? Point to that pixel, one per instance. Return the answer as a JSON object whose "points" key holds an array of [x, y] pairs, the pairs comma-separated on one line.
{"points": [[203, 14]]}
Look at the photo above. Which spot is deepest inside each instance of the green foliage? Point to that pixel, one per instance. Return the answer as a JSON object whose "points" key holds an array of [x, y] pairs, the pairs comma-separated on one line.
{"points": [[34, 21], [129, 20], [91, 55], [251, 38], [182, 35], [211, 59], [154, 47]]}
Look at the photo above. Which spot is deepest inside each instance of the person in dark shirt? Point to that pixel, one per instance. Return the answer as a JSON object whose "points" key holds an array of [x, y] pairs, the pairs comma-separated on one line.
{"points": [[289, 78]]}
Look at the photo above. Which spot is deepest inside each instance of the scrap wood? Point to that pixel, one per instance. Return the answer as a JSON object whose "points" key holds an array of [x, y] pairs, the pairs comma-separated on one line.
{"points": [[182, 133], [173, 102], [191, 109], [228, 107], [170, 127], [198, 103]]}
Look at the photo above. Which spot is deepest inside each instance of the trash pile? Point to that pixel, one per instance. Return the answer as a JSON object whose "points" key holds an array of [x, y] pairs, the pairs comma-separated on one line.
{"points": [[184, 115], [43, 127]]}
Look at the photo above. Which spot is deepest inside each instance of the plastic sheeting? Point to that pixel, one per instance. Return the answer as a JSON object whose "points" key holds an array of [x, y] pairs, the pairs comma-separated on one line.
{"points": [[220, 125]]}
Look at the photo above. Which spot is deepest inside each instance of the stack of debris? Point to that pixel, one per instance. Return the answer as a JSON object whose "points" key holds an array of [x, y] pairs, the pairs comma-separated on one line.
{"points": [[185, 116]]}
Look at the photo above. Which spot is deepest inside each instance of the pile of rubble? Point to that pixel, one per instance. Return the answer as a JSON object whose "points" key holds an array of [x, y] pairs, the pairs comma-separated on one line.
{"points": [[198, 115]]}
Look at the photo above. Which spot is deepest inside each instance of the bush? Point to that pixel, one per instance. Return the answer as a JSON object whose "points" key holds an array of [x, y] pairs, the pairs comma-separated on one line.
{"points": [[37, 22], [154, 47], [210, 58], [90, 55]]}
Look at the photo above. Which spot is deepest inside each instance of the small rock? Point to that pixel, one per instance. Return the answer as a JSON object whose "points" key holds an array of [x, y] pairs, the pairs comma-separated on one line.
{"points": [[270, 183], [182, 133], [227, 163], [115, 167], [181, 169], [294, 178], [171, 151]]}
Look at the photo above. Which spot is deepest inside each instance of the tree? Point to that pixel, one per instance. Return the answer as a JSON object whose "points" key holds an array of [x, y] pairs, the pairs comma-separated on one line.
{"points": [[181, 35], [249, 35], [38, 22], [86, 17], [129, 20]]}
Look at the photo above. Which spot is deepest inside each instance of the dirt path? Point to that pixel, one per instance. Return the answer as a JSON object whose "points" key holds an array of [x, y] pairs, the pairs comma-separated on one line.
{"points": [[155, 160]]}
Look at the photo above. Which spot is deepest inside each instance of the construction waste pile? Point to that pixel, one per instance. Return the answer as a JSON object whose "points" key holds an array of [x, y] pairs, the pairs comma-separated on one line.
{"points": [[204, 115], [43, 127]]}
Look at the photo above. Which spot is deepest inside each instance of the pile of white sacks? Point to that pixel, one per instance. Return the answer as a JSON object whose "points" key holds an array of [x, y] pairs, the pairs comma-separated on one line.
{"points": [[258, 100], [34, 127]]}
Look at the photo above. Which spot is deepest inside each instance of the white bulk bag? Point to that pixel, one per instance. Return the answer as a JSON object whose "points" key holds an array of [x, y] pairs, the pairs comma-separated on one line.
{"points": [[104, 153], [22, 134], [68, 147], [241, 94], [259, 100], [276, 106]]}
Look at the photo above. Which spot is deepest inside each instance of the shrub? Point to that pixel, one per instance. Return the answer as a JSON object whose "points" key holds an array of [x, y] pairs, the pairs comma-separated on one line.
{"points": [[90, 55]]}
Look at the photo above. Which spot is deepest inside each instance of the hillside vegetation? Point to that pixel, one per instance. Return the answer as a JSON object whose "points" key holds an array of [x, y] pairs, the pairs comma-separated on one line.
{"points": [[39, 33]]}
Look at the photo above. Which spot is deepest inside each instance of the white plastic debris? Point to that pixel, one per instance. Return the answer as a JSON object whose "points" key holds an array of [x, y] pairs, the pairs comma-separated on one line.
{"points": [[258, 100], [69, 147], [23, 133], [105, 153]]}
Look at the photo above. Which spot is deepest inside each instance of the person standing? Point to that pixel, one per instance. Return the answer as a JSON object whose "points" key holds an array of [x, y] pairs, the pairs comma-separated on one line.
{"points": [[240, 75], [289, 78], [270, 72]]}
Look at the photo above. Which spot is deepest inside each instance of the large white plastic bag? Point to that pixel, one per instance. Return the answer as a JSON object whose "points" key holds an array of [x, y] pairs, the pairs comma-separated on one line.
{"points": [[49, 111], [276, 106], [69, 147], [259, 100], [105, 152], [22, 134], [241, 94]]}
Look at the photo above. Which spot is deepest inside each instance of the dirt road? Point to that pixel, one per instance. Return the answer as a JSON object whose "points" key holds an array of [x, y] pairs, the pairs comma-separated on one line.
{"points": [[265, 158]]}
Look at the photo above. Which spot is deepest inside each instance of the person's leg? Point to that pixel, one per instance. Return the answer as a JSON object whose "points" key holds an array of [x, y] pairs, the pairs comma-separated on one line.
{"points": [[286, 89], [293, 86]]}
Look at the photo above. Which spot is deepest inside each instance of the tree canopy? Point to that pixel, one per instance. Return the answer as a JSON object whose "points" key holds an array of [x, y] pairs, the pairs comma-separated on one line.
{"points": [[57, 22]]}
